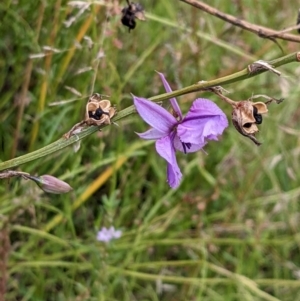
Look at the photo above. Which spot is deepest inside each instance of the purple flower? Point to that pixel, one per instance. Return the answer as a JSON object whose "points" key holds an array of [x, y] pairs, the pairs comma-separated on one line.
{"points": [[107, 235], [204, 121]]}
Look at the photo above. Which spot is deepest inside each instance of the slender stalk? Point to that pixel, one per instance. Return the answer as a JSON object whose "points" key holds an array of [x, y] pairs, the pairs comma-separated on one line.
{"points": [[261, 31], [229, 79], [232, 278]]}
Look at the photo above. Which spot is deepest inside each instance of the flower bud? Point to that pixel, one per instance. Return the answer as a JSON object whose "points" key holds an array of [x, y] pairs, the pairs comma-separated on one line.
{"points": [[245, 117], [51, 184]]}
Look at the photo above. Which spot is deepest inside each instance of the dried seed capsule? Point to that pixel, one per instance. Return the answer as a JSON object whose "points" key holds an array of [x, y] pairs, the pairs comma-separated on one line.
{"points": [[99, 111], [245, 117]]}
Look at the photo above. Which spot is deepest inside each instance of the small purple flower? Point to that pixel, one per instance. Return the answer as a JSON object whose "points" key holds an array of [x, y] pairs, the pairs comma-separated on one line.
{"points": [[204, 121], [107, 235]]}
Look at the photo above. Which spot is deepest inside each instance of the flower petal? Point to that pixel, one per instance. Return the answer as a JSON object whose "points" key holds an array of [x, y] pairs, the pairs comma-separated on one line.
{"points": [[107, 235], [151, 134], [155, 115], [103, 235], [188, 148], [114, 233], [203, 107], [204, 121], [165, 149], [174, 176], [173, 100]]}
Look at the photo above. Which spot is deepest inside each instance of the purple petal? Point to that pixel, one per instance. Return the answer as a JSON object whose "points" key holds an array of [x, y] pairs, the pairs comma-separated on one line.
{"points": [[174, 176], [114, 233], [173, 100], [107, 235], [151, 134], [117, 234], [155, 115], [188, 148], [204, 121], [165, 149], [203, 107], [103, 235]]}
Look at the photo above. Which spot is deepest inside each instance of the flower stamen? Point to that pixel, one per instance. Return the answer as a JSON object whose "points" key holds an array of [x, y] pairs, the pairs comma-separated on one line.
{"points": [[186, 146]]}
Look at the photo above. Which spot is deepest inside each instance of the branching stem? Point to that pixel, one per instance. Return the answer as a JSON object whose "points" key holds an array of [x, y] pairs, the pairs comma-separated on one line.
{"points": [[261, 31], [200, 86]]}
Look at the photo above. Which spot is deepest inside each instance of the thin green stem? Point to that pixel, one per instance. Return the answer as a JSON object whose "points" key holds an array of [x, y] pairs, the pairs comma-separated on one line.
{"points": [[229, 79], [231, 278]]}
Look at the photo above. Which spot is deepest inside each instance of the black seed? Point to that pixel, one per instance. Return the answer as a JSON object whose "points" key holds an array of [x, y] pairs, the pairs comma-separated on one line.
{"points": [[94, 115], [258, 117], [99, 113]]}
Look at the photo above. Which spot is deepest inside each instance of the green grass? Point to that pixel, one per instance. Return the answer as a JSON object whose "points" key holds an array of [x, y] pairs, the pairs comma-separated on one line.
{"points": [[229, 232]]}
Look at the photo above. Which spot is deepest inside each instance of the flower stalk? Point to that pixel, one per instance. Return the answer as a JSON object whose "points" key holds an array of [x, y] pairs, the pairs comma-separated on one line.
{"points": [[229, 79]]}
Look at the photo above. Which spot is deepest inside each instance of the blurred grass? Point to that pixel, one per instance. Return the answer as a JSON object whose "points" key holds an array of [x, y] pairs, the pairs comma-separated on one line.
{"points": [[231, 230]]}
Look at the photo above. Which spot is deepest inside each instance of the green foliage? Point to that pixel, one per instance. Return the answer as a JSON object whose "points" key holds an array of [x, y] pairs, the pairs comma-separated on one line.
{"points": [[231, 230]]}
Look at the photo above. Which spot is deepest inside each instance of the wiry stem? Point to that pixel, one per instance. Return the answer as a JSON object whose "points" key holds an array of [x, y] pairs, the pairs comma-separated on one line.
{"points": [[261, 31], [200, 86]]}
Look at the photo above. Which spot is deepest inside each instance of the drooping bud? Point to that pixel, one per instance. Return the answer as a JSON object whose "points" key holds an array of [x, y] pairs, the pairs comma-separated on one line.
{"points": [[51, 184], [245, 117]]}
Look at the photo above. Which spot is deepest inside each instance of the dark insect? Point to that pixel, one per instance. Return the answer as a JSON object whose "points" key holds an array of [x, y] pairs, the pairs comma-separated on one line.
{"points": [[258, 118], [130, 13], [298, 20], [97, 114]]}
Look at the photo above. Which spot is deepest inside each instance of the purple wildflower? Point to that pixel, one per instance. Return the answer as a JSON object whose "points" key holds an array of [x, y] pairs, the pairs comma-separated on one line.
{"points": [[107, 235], [204, 121]]}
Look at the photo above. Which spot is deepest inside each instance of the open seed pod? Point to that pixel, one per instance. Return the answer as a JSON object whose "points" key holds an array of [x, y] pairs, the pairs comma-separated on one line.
{"points": [[98, 111], [245, 117]]}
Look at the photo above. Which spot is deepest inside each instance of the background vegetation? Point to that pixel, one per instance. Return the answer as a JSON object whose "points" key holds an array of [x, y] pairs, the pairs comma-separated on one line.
{"points": [[229, 232]]}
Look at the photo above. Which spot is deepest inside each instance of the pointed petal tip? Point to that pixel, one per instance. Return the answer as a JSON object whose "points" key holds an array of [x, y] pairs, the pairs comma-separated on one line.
{"points": [[139, 100], [173, 177], [173, 100], [174, 185], [151, 134], [155, 115]]}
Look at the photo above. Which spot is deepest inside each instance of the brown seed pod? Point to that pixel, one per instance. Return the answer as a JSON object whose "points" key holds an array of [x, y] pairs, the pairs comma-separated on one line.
{"points": [[245, 117], [98, 111]]}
